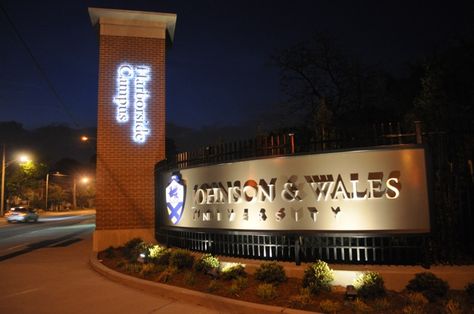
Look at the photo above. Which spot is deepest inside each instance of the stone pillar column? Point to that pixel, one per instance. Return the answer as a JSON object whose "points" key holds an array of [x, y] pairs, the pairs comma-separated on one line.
{"points": [[131, 121]]}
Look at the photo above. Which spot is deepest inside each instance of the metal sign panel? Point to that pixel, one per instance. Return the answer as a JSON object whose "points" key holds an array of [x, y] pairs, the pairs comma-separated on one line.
{"points": [[379, 190]]}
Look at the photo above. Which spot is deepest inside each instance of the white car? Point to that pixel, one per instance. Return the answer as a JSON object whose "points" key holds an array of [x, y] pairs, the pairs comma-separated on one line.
{"points": [[21, 214]]}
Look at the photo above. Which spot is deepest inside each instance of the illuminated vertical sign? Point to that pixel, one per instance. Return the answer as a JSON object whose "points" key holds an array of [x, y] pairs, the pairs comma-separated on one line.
{"points": [[132, 81]]}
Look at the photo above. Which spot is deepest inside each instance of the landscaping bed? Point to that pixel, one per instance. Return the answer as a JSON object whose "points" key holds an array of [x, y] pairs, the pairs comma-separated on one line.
{"points": [[269, 285]]}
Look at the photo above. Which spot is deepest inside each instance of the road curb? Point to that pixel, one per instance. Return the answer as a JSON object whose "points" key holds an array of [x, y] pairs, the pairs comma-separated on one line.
{"points": [[218, 303]]}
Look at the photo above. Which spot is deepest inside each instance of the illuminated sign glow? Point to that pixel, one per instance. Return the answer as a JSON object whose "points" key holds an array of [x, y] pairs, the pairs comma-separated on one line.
{"points": [[132, 80], [175, 199], [373, 190]]}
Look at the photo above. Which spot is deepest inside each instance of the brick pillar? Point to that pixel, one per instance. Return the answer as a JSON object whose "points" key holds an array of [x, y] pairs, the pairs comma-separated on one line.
{"points": [[131, 121]]}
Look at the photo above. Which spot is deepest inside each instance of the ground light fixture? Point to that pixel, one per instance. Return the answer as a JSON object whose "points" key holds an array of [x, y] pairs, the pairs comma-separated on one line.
{"points": [[351, 293]]}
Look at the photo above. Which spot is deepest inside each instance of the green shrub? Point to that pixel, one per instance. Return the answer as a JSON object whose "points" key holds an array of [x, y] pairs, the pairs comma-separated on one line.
{"points": [[238, 285], [149, 270], [381, 305], [131, 249], [370, 285], [300, 300], [431, 286], [109, 252], [232, 271], [167, 275], [318, 277], [267, 291], [133, 268], [155, 250], [190, 278], [270, 273], [470, 291], [121, 264], [361, 307], [453, 307], [328, 306], [413, 309], [181, 259], [417, 298], [214, 285], [207, 263], [159, 255]]}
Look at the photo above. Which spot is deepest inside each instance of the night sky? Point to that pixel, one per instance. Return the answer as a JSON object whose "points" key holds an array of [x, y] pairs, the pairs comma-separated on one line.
{"points": [[218, 71]]}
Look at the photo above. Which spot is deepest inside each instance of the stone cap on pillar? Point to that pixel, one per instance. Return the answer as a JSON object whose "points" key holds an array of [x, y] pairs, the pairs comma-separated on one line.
{"points": [[134, 23]]}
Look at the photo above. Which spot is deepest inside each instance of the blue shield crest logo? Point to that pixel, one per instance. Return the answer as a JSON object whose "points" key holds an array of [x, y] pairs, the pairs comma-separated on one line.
{"points": [[175, 199]]}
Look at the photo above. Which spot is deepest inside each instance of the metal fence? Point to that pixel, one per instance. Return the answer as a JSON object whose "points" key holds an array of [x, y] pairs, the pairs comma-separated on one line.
{"points": [[450, 177]]}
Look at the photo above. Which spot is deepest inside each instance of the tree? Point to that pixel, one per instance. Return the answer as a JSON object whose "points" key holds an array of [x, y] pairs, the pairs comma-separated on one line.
{"points": [[56, 194], [326, 88], [85, 195], [25, 180], [444, 102]]}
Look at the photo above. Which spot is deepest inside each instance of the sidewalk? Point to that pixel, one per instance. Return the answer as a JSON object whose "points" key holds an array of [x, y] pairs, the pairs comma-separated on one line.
{"points": [[59, 280]]}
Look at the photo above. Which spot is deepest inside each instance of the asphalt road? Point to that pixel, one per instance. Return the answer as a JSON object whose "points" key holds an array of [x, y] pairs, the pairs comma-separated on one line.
{"points": [[44, 268]]}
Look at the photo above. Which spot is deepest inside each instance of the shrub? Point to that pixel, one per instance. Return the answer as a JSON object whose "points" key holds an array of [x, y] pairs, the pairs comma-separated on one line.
{"points": [[233, 271], [190, 278], [266, 291], [470, 291], [328, 306], [133, 268], [381, 305], [270, 273], [318, 277], [131, 249], [362, 307], [413, 309], [144, 248], [167, 274], [149, 269], [238, 285], [453, 307], [431, 286], [302, 299], [213, 286], [159, 255], [370, 285], [109, 252], [155, 250], [181, 259], [417, 298], [207, 263]]}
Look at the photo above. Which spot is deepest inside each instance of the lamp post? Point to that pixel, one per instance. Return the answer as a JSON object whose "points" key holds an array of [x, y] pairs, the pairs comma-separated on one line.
{"points": [[74, 187], [3, 181], [57, 174], [5, 164]]}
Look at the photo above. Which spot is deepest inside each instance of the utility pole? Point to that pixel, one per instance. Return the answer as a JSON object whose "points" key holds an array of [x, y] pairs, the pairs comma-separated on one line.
{"points": [[2, 206], [46, 192], [74, 202]]}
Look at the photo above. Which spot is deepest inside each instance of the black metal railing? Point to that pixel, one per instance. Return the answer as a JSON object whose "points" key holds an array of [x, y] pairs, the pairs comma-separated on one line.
{"points": [[451, 180]]}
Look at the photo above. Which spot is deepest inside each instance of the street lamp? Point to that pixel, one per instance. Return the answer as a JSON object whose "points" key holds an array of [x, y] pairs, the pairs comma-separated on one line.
{"points": [[83, 180], [57, 174], [5, 164]]}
